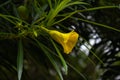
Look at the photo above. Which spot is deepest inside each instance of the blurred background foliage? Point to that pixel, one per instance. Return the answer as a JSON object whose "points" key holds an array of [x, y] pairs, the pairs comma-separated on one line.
{"points": [[95, 57]]}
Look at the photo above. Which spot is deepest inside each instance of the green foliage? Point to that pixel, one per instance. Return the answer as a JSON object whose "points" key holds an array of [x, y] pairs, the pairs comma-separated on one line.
{"points": [[21, 22], [20, 60]]}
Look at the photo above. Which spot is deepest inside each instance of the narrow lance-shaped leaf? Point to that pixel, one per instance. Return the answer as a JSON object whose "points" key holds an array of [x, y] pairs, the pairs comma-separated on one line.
{"points": [[55, 11], [45, 50], [98, 24], [66, 16], [61, 57], [20, 60]]}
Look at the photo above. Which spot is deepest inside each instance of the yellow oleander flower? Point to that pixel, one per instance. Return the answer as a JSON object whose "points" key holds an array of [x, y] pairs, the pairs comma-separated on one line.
{"points": [[67, 40]]}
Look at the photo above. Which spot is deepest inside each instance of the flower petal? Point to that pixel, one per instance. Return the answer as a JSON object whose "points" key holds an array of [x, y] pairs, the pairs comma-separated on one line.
{"points": [[67, 40]]}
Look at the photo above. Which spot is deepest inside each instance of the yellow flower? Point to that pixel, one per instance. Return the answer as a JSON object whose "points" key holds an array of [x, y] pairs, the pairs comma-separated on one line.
{"points": [[67, 40]]}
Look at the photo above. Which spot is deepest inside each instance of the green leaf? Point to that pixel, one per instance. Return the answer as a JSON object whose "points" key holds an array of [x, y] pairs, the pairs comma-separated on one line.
{"points": [[47, 53], [68, 15], [12, 19], [6, 18], [61, 57], [20, 60], [53, 12], [98, 24], [94, 54], [91, 52], [62, 5], [4, 35], [77, 71], [116, 63], [98, 8], [76, 2], [50, 4], [5, 3]]}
